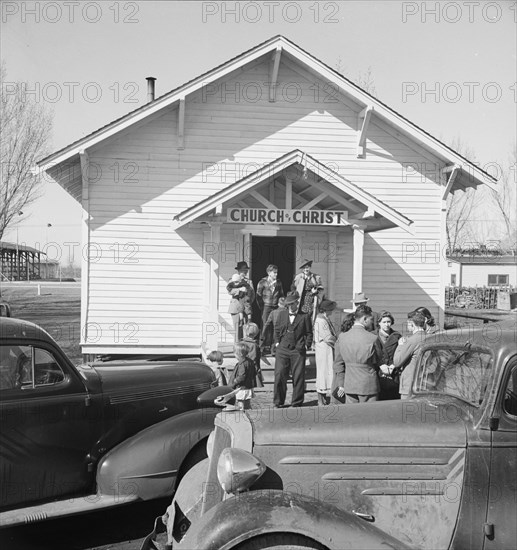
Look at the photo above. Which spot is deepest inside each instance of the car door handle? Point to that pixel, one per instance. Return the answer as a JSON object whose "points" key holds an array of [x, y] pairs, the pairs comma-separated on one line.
{"points": [[366, 517]]}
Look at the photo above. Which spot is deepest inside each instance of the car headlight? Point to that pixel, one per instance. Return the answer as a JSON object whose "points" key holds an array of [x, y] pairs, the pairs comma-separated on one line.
{"points": [[237, 470]]}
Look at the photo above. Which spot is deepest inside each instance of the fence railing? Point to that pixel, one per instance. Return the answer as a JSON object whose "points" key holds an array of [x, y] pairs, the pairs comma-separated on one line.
{"points": [[478, 297]]}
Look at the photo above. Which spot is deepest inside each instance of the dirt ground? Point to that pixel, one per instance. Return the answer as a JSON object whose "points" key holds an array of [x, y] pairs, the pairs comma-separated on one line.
{"points": [[57, 309]]}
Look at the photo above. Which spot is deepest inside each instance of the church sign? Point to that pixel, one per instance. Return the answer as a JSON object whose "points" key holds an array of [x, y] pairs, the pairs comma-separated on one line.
{"points": [[280, 216]]}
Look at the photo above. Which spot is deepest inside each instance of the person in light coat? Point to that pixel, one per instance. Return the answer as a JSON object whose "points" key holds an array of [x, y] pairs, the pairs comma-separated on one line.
{"points": [[324, 340], [408, 349]]}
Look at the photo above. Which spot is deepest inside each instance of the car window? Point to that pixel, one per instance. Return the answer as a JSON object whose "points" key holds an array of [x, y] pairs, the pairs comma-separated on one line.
{"points": [[510, 394], [460, 372], [15, 365], [46, 370]]}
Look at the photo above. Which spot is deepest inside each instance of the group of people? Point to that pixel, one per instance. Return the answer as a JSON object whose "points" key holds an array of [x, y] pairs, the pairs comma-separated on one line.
{"points": [[367, 361], [371, 360], [270, 296]]}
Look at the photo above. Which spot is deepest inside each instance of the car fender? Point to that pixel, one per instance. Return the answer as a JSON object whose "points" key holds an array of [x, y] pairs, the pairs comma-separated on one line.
{"points": [[147, 464], [267, 512]]}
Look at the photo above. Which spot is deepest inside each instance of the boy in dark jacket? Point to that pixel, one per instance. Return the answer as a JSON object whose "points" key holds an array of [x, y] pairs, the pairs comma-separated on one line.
{"points": [[242, 378]]}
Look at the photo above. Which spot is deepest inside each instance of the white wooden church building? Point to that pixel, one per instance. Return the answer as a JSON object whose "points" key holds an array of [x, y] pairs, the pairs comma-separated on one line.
{"points": [[272, 157]]}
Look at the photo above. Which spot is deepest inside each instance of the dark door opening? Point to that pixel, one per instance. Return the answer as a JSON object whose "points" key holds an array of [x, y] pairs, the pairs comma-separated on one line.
{"points": [[280, 251]]}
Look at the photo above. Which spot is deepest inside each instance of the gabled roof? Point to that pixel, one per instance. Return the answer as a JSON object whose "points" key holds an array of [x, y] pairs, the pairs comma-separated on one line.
{"points": [[268, 171], [475, 174]]}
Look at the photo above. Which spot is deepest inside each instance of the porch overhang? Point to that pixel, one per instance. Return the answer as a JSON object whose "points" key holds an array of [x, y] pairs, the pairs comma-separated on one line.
{"points": [[317, 184]]}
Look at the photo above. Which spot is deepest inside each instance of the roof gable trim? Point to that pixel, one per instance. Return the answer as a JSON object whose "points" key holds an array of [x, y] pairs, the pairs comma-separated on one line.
{"points": [[296, 156]]}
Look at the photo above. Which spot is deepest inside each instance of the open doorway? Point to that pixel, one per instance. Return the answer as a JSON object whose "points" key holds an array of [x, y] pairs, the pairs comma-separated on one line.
{"points": [[280, 251]]}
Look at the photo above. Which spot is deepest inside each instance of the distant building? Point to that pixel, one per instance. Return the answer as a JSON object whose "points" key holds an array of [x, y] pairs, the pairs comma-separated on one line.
{"points": [[482, 270], [19, 262], [49, 269]]}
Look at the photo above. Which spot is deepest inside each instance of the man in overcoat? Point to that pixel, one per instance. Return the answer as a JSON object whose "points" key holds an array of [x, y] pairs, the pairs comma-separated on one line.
{"points": [[310, 289], [358, 354], [292, 338]]}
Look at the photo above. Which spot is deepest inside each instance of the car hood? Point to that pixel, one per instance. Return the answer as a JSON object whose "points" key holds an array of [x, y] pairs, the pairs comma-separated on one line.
{"points": [[420, 421], [120, 377]]}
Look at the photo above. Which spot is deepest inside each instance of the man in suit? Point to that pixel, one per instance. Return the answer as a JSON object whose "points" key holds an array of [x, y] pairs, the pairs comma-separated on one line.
{"points": [[272, 320], [406, 354], [269, 291], [292, 337], [358, 355]]}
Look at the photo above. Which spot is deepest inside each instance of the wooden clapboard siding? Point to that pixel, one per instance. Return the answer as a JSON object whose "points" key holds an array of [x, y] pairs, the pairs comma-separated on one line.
{"points": [[144, 180]]}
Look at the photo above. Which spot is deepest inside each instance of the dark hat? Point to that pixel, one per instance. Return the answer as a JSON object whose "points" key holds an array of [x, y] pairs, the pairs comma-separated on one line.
{"points": [[291, 298], [308, 263], [241, 265], [328, 305], [359, 297]]}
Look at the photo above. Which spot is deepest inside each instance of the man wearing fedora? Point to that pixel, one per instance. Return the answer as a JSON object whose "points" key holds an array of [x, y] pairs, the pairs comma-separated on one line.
{"points": [[242, 298], [310, 288], [292, 338], [361, 300], [357, 359]]}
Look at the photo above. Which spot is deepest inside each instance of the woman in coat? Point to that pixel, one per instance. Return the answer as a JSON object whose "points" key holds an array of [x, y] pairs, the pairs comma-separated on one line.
{"points": [[324, 340], [389, 339]]}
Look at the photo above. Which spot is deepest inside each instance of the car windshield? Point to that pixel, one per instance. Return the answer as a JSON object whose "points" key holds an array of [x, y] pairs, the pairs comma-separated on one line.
{"points": [[460, 372]]}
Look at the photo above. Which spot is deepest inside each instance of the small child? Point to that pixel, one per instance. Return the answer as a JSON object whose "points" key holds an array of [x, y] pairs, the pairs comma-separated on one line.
{"points": [[251, 333], [215, 361], [242, 378]]}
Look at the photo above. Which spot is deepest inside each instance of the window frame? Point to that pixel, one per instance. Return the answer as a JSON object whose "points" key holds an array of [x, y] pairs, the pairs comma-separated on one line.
{"points": [[497, 278]]}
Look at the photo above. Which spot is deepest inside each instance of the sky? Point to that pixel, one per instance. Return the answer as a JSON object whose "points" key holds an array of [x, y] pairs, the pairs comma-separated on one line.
{"points": [[450, 67]]}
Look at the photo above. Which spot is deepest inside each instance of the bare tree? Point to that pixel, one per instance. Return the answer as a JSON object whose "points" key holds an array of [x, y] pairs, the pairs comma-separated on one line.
{"points": [[505, 201], [461, 207], [25, 127], [364, 79]]}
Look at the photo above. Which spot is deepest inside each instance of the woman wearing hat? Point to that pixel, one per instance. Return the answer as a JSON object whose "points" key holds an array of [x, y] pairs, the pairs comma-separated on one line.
{"points": [[310, 288], [324, 339]]}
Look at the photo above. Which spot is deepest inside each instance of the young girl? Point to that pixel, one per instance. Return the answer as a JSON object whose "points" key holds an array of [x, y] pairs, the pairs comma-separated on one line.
{"points": [[242, 378], [215, 362], [251, 333]]}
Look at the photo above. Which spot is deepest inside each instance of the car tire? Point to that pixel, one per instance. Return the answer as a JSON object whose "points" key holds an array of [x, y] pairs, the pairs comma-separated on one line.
{"points": [[280, 541]]}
